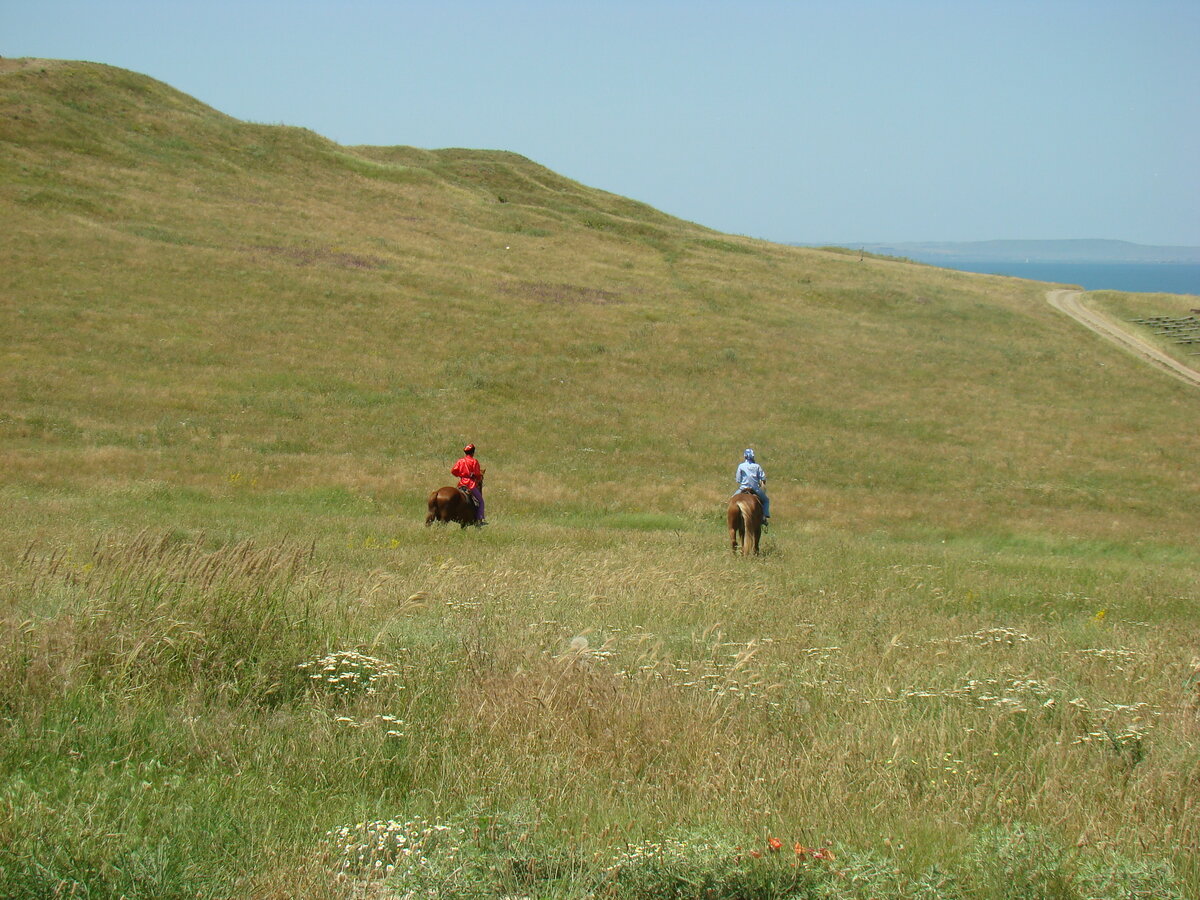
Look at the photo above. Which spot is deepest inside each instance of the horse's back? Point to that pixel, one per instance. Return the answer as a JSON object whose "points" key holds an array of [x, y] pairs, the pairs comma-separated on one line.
{"points": [[745, 504], [450, 504]]}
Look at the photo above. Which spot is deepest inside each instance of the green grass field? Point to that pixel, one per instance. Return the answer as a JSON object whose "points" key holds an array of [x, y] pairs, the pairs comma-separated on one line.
{"points": [[237, 358]]}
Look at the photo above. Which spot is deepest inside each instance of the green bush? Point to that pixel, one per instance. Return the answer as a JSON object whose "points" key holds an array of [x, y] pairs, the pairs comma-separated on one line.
{"points": [[1022, 862]]}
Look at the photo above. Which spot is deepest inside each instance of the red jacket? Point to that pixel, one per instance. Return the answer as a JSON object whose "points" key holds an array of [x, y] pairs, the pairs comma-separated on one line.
{"points": [[468, 471]]}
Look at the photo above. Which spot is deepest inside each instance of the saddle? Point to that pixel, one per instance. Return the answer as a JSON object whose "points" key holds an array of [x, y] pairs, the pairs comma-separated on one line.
{"points": [[471, 497]]}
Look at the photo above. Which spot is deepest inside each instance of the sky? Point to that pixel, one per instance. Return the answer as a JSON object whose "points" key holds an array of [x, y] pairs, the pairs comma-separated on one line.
{"points": [[788, 120]]}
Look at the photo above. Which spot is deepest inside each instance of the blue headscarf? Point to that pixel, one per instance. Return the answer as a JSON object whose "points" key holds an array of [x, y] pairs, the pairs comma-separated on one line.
{"points": [[749, 455]]}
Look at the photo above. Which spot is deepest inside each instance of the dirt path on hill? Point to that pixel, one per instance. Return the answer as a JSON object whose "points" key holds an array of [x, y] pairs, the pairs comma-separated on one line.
{"points": [[1071, 303]]}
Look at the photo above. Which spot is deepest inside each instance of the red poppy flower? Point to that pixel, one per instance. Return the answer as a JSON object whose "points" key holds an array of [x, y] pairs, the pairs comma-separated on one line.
{"points": [[774, 844]]}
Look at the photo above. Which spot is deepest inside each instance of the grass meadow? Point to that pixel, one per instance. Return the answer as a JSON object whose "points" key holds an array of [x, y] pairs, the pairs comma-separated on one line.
{"points": [[236, 664]]}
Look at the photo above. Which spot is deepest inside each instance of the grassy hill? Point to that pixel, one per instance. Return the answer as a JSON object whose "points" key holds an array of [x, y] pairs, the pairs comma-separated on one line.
{"points": [[237, 357]]}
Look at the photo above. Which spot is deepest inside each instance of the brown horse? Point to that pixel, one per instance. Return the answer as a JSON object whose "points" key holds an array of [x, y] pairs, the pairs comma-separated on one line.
{"points": [[449, 504], [744, 517]]}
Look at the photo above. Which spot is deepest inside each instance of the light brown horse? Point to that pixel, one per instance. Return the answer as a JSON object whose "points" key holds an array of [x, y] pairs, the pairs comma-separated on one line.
{"points": [[744, 518], [449, 504]]}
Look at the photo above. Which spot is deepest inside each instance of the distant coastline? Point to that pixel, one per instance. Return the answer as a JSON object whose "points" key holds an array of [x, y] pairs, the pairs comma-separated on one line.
{"points": [[1094, 265], [1135, 278], [1075, 251]]}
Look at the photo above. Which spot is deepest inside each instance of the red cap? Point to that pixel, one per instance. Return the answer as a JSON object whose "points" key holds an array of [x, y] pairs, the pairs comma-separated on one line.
{"points": [[470, 448]]}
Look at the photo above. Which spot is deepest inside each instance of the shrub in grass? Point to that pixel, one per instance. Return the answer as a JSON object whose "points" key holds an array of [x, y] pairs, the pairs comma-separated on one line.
{"points": [[35, 860], [389, 849], [702, 865], [1017, 863], [348, 673], [479, 857], [1022, 862], [1114, 877]]}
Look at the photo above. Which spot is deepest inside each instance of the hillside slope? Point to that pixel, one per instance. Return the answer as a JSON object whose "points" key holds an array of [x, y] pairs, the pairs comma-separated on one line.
{"points": [[234, 663], [188, 296]]}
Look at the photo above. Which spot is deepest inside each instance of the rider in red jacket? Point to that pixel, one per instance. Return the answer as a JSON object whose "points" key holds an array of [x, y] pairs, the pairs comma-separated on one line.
{"points": [[470, 476]]}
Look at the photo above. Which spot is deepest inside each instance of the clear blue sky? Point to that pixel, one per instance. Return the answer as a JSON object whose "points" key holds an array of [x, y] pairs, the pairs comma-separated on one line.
{"points": [[792, 121]]}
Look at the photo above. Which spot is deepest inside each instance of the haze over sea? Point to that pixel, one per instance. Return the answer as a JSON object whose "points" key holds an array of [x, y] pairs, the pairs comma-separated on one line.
{"points": [[1145, 278], [1093, 264]]}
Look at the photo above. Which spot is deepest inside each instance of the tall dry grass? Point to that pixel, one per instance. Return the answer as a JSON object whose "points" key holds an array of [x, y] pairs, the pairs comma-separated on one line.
{"points": [[611, 694]]}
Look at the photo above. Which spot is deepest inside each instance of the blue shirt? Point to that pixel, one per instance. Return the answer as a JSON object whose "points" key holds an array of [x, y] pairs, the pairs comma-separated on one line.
{"points": [[750, 475]]}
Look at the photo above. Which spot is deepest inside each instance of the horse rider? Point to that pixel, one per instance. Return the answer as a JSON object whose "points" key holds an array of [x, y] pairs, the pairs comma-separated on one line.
{"points": [[470, 477], [751, 477]]}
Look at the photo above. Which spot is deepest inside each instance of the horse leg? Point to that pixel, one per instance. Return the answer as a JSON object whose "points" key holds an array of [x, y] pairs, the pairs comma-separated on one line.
{"points": [[463, 512]]}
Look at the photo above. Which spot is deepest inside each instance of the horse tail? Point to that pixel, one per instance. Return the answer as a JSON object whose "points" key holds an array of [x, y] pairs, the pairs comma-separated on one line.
{"points": [[745, 521], [752, 516], [736, 522]]}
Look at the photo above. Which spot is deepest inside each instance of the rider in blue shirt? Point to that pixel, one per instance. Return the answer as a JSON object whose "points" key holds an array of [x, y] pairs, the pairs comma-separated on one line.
{"points": [[750, 476]]}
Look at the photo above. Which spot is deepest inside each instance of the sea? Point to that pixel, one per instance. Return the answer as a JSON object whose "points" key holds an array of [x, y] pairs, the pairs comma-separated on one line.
{"points": [[1140, 278]]}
